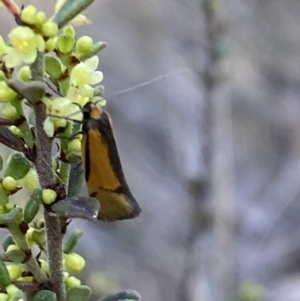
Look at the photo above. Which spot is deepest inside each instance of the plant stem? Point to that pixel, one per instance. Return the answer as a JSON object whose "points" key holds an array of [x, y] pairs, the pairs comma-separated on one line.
{"points": [[43, 166], [31, 263]]}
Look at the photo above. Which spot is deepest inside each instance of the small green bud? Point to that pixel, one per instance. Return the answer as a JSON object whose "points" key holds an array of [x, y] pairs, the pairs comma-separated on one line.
{"points": [[6, 93], [66, 275], [15, 130], [49, 29], [40, 224], [98, 90], [9, 206], [48, 196], [50, 45], [40, 18], [28, 236], [9, 183], [74, 146], [28, 14], [31, 180], [12, 289], [65, 44], [39, 236], [84, 44], [10, 112], [60, 123], [97, 47], [15, 271], [72, 281], [24, 74], [44, 266], [74, 262], [17, 166], [69, 31]]}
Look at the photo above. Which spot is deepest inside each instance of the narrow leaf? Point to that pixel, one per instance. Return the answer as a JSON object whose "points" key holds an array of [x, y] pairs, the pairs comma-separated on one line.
{"points": [[69, 10], [10, 217], [10, 140]]}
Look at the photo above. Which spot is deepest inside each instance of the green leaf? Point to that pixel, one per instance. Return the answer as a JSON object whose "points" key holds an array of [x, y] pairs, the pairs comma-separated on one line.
{"points": [[97, 47], [53, 67], [10, 217], [17, 166], [65, 44], [44, 295], [69, 10], [64, 86], [32, 91], [33, 205], [17, 256], [77, 207], [72, 241], [78, 293], [4, 276], [123, 295], [7, 242]]}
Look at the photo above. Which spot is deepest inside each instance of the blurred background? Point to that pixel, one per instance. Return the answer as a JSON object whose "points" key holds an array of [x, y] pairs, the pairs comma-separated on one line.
{"points": [[204, 96]]}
